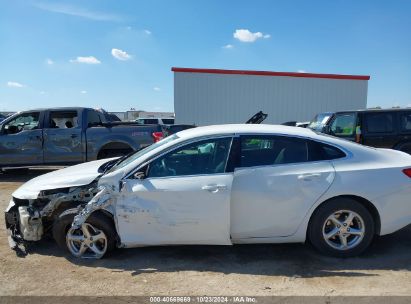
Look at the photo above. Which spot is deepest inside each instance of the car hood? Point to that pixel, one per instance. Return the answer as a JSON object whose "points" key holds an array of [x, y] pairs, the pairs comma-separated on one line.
{"points": [[73, 176]]}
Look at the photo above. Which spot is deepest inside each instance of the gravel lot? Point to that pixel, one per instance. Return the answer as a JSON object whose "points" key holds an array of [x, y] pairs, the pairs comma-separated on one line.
{"points": [[293, 269]]}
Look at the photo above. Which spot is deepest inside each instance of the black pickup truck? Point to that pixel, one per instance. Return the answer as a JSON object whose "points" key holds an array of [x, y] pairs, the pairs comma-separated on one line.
{"points": [[66, 136]]}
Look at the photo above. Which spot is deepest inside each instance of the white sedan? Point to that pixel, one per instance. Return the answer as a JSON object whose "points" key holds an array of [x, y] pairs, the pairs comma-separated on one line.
{"points": [[221, 185]]}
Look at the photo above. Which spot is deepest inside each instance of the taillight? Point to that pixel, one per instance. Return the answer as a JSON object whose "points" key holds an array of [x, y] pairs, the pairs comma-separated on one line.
{"points": [[157, 136], [407, 172]]}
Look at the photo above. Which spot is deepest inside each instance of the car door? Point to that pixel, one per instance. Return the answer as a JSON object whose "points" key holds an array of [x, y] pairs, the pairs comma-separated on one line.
{"points": [[183, 198], [63, 137], [21, 140], [380, 129], [274, 186]]}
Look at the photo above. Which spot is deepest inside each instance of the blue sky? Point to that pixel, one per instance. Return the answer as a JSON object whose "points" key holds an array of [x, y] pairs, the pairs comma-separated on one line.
{"points": [[118, 54]]}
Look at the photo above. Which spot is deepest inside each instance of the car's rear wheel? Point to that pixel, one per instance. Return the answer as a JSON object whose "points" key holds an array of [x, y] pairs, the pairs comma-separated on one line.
{"points": [[93, 239], [341, 227]]}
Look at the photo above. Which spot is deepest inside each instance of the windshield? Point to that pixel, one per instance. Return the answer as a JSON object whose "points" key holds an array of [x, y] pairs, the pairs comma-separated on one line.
{"points": [[125, 161], [319, 121]]}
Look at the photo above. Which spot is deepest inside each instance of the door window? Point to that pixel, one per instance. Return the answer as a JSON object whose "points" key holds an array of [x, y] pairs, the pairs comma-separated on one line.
{"points": [[63, 120], [25, 121], [406, 122], [379, 122], [344, 124], [204, 157], [272, 150]]}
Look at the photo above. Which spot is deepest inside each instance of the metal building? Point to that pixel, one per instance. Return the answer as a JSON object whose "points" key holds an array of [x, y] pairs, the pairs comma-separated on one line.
{"points": [[211, 96]]}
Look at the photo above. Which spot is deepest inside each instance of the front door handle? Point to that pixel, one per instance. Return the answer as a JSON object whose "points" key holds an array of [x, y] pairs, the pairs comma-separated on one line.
{"points": [[74, 135], [214, 188], [308, 176]]}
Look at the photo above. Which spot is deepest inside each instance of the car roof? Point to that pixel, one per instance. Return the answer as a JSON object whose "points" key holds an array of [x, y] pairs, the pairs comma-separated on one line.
{"points": [[245, 129]]}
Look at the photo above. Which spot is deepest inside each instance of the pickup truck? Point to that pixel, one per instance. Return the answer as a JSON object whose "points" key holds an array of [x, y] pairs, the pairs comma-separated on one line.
{"points": [[67, 136]]}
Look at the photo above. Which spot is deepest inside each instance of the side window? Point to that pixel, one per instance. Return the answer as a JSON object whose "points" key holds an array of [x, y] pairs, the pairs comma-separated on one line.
{"points": [[379, 122], [320, 151], [93, 118], [344, 124], [272, 150], [63, 119], [26, 121], [204, 157], [406, 121]]}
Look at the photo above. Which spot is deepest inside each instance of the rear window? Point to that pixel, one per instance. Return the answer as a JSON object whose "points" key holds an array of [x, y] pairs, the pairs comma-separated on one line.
{"points": [[168, 121], [405, 121], [379, 122], [148, 121]]}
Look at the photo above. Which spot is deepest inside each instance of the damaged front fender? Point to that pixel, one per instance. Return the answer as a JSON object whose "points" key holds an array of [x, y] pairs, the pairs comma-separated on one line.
{"points": [[101, 200]]}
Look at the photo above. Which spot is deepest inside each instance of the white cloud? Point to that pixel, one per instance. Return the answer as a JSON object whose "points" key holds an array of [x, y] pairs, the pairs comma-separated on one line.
{"points": [[87, 60], [301, 71], [120, 55], [245, 35], [49, 61], [14, 84], [147, 32], [156, 89], [83, 92], [76, 11], [42, 93], [228, 46]]}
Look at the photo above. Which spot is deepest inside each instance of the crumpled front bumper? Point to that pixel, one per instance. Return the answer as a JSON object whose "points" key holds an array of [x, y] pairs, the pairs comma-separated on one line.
{"points": [[12, 224]]}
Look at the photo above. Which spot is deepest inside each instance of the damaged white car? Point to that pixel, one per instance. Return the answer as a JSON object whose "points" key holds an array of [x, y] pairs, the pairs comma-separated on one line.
{"points": [[221, 185]]}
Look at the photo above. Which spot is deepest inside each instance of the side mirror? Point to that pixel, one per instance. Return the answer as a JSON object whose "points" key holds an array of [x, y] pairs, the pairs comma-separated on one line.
{"points": [[327, 130], [10, 129]]}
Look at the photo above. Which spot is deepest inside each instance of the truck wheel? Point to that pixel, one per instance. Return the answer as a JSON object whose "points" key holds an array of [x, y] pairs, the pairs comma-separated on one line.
{"points": [[341, 227], [93, 240]]}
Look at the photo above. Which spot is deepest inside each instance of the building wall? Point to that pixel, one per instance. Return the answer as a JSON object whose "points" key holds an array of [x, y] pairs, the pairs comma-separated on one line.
{"points": [[206, 98]]}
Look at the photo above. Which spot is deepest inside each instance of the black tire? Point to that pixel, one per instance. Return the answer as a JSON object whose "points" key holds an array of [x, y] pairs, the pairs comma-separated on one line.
{"points": [[97, 219], [318, 219]]}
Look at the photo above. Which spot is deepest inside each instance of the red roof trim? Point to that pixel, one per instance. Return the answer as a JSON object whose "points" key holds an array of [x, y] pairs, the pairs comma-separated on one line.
{"points": [[267, 73]]}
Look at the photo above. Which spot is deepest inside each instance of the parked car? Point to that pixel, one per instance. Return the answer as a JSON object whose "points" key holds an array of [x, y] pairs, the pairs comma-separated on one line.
{"points": [[155, 121], [376, 128], [65, 136], [221, 185]]}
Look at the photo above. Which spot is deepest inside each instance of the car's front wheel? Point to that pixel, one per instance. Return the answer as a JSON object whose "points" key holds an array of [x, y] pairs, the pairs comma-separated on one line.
{"points": [[341, 227], [92, 240]]}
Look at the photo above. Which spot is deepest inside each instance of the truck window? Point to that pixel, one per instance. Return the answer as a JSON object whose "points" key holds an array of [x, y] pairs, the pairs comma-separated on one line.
{"points": [[149, 121], [344, 124], [25, 121], [63, 119], [379, 122], [319, 122], [168, 121], [405, 121], [93, 118]]}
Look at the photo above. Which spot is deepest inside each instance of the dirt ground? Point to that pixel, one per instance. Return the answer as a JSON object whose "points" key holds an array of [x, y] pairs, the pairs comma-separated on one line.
{"points": [[292, 269]]}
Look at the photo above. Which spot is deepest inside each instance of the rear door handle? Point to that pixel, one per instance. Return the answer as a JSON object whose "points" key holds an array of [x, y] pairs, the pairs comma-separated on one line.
{"points": [[74, 135], [214, 188], [308, 176]]}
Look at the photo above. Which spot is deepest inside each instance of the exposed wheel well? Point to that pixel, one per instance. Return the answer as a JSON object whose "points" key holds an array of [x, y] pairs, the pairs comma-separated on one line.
{"points": [[366, 203]]}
